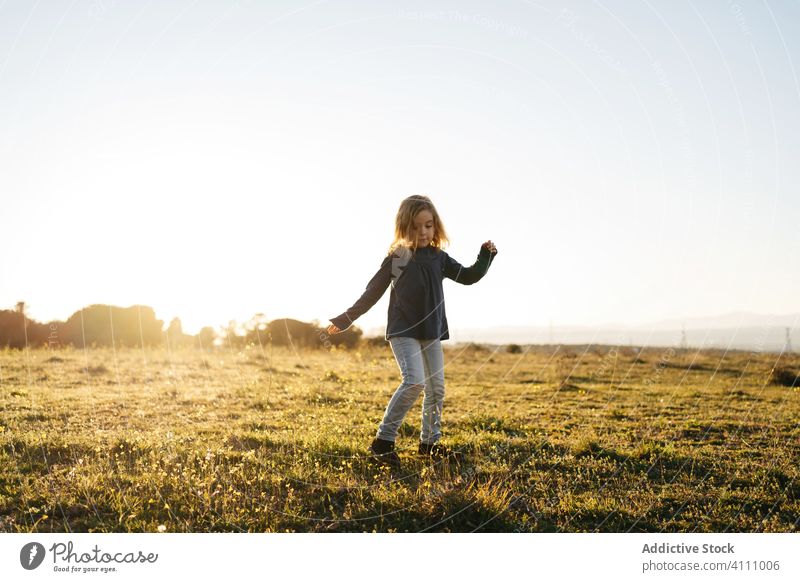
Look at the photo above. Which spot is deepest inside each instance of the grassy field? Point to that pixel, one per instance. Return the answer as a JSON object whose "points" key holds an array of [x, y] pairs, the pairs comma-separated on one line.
{"points": [[556, 439]]}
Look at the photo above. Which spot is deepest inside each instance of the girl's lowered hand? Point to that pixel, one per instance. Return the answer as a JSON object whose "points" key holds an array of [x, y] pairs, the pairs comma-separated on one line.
{"points": [[332, 329], [490, 245]]}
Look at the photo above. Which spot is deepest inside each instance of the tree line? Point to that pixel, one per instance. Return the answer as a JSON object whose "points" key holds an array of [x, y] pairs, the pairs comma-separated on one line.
{"points": [[137, 326]]}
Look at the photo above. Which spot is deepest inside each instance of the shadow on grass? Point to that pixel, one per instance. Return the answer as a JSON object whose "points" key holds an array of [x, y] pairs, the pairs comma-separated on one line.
{"points": [[490, 424]]}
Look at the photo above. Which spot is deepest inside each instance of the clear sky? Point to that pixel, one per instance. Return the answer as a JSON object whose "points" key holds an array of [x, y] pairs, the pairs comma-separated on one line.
{"points": [[632, 161]]}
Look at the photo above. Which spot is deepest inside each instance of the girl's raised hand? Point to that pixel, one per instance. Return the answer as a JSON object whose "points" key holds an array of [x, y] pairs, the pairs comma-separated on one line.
{"points": [[332, 329], [490, 245]]}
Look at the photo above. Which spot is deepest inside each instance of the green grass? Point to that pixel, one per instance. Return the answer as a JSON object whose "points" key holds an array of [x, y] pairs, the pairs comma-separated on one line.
{"points": [[275, 440]]}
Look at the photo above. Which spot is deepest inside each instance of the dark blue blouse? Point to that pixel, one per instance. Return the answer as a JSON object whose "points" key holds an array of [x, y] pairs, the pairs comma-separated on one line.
{"points": [[416, 303]]}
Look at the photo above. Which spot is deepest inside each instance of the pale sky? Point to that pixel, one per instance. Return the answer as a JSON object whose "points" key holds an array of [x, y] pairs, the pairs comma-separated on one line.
{"points": [[631, 161]]}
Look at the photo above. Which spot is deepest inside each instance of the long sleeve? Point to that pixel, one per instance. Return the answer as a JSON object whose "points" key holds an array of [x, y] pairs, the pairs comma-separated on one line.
{"points": [[468, 275], [374, 291]]}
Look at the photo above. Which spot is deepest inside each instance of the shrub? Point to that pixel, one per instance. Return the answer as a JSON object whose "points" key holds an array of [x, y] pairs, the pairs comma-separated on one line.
{"points": [[784, 377]]}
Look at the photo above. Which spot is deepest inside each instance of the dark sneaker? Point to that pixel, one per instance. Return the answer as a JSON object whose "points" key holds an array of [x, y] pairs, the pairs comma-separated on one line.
{"points": [[439, 451], [383, 453]]}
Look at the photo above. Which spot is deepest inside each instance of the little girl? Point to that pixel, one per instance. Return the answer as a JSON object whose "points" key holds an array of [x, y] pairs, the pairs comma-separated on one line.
{"points": [[415, 267]]}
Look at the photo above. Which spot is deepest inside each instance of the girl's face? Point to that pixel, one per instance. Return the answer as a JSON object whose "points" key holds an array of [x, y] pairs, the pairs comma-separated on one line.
{"points": [[423, 228]]}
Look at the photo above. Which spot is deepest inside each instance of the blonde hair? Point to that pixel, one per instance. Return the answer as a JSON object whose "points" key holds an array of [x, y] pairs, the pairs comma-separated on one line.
{"points": [[404, 223]]}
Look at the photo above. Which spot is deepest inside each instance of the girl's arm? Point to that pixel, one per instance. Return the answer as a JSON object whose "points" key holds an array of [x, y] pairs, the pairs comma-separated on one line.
{"points": [[469, 275], [374, 291]]}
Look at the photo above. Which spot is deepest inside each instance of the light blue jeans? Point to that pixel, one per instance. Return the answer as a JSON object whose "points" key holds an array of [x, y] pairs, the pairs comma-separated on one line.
{"points": [[421, 364]]}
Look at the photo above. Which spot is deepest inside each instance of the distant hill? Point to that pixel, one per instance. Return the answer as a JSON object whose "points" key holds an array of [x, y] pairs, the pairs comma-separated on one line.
{"points": [[739, 331]]}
